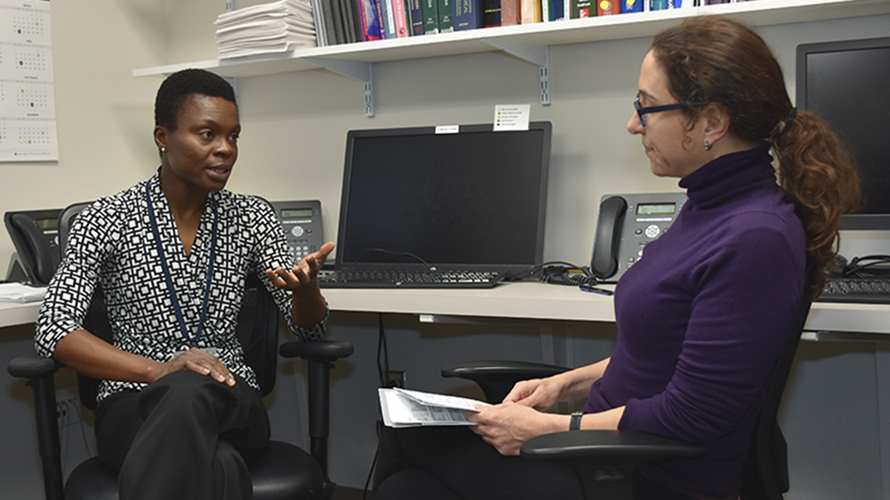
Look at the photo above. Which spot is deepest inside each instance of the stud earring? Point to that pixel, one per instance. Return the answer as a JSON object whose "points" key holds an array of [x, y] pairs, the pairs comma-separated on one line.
{"points": [[707, 146], [164, 150]]}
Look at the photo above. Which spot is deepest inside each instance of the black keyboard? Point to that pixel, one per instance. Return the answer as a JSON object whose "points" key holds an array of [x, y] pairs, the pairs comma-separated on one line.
{"points": [[411, 279], [864, 290]]}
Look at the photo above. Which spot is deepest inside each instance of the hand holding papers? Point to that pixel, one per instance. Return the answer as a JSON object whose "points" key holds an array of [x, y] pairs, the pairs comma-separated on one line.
{"points": [[404, 408]]}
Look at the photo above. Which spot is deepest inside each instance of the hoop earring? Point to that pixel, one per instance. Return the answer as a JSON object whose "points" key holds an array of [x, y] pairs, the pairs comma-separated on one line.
{"points": [[707, 146]]}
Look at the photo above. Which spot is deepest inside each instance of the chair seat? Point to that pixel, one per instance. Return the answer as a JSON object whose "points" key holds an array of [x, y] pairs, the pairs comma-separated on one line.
{"points": [[282, 471]]}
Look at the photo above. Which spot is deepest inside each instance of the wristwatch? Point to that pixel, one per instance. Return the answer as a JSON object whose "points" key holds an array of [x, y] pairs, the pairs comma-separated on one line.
{"points": [[575, 423]]}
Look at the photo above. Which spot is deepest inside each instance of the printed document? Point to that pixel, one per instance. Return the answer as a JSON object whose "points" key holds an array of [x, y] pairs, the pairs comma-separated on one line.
{"points": [[404, 408]]}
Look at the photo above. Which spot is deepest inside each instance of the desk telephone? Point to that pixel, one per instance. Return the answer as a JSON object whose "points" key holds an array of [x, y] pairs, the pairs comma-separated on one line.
{"points": [[35, 235], [301, 221], [626, 223]]}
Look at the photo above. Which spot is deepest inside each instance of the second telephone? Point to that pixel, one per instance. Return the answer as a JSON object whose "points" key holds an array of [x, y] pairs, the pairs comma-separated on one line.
{"points": [[301, 221], [35, 235], [626, 223]]}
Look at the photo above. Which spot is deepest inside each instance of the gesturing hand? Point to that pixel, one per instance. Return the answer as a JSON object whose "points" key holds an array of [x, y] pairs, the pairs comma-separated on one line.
{"points": [[302, 276]]}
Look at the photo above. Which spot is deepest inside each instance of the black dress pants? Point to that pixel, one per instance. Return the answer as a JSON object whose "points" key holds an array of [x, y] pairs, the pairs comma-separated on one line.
{"points": [[184, 436], [453, 463]]}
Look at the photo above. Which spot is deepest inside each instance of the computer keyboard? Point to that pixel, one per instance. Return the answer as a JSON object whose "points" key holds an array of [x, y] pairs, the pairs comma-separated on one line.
{"points": [[413, 279], [864, 290]]}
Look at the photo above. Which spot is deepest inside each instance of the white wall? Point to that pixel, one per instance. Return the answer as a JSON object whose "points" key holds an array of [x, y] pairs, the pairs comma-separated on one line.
{"points": [[293, 143]]}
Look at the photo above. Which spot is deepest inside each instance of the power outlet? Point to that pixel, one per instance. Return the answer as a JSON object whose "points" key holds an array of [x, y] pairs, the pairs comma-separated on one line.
{"points": [[395, 378], [67, 406]]}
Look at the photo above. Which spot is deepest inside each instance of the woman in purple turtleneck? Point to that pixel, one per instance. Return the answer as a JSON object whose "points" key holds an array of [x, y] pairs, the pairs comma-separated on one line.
{"points": [[701, 317]]}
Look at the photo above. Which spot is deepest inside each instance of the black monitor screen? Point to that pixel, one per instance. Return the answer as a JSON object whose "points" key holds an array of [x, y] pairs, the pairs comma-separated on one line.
{"points": [[471, 200], [848, 84]]}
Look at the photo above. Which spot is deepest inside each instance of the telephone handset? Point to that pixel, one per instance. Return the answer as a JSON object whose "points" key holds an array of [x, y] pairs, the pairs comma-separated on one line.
{"points": [[35, 235], [301, 221], [626, 223]]}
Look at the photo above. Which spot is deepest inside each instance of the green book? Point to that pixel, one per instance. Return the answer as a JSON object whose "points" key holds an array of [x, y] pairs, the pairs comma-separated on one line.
{"points": [[430, 16], [446, 24]]}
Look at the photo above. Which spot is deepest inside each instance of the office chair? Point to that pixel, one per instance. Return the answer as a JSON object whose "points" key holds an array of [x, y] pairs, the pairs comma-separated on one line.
{"points": [[606, 461], [282, 471]]}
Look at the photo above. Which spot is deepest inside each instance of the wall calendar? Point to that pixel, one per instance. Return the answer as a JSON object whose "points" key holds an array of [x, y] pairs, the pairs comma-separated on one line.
{"points": [[27, 107]]}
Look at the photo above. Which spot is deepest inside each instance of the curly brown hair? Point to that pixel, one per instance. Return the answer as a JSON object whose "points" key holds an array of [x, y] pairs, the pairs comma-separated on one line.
{"points": [[718, 60]]}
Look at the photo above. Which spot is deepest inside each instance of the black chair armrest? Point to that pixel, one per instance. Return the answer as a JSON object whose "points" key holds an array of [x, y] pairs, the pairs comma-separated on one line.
{"points": [[607, 461], [32, 366], [610, 447], [497, 378], [41, 373], [322, 350]]}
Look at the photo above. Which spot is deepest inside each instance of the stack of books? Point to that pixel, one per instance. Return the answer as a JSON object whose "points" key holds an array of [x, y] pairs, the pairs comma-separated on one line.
{"points": [[269, 28]]}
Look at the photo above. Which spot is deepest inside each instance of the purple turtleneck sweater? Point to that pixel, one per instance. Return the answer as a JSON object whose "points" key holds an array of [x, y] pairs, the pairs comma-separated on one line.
{"points": [[701, 318]]}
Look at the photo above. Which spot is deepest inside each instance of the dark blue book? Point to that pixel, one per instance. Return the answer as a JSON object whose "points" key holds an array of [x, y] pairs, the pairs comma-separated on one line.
{"points": [[467, 14], [415, 16], [557, 10]]}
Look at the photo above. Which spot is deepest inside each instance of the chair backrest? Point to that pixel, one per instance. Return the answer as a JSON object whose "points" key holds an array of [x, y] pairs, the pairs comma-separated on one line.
{"points": [[766, 468], [257, 327]]}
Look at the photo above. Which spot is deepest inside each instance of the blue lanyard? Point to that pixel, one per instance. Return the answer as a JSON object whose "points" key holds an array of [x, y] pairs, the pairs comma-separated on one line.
{"points": [[193, 341]]}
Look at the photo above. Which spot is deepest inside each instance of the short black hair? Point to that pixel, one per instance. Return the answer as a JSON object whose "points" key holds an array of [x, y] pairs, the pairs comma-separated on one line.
{"points": [[180, 85]]}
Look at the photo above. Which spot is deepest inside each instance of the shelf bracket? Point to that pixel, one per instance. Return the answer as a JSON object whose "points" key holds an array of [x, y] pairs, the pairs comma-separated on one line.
{"points": [[537, 55], [357, 70]]}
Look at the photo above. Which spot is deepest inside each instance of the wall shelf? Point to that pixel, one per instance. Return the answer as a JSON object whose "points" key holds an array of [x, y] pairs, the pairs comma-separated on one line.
{"points": [[542, 35]]}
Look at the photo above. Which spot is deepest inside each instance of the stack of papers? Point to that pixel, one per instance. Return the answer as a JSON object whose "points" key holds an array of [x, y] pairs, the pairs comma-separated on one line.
{"points": [[17, 292], [265, 29], [404, 408]]}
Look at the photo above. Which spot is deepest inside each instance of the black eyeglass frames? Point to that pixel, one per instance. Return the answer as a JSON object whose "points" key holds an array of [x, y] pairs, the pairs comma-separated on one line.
{"points": [[641, 110]]}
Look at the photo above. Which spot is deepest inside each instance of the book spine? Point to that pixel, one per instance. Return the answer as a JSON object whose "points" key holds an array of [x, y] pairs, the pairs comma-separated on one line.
{"points": [[470, 17], [445, 16], [362, 21], [557, 11], [372, 19], [510, 12], [582, 9], [633, 6], [608, 7], [545, 11], [400, 18], [530, 11], [430, 17], [389, 22], [415, 13], [491, 13]]}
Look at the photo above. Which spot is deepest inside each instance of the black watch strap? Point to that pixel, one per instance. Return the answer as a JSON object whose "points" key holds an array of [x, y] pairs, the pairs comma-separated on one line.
{"points": [[575, 424]]}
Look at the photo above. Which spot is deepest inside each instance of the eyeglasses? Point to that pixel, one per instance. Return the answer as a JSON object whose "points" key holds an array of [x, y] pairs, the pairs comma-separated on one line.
{"points": [[641, 111]]}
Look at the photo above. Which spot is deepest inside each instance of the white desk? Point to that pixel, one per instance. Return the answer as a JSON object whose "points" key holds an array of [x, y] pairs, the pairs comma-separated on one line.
{"points": [[551, 302], [528, 301], [12, 314]]}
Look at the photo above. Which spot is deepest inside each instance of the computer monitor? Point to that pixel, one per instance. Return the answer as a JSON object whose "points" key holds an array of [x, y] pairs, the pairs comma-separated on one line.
{"points": [[454, 198], [848, 84]]}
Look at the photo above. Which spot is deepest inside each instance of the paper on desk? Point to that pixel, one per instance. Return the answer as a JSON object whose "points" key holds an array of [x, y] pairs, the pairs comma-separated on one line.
{"points": [[404, 408], [17, 292]]}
